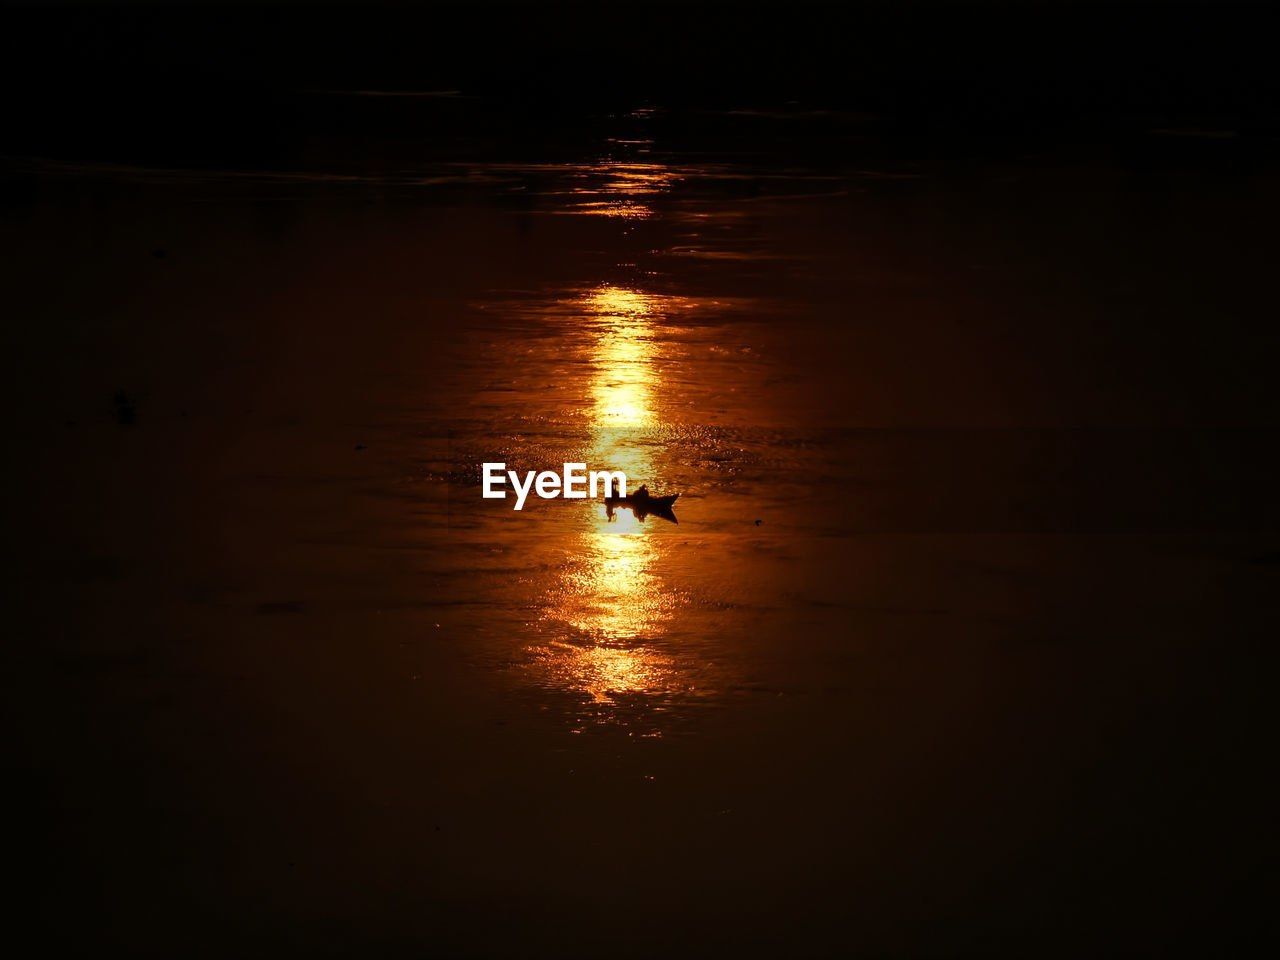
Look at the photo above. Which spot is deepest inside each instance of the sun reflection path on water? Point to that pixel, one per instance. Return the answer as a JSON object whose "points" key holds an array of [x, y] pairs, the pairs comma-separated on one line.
{"points": [[616, 607], [610, 605], [613, 596], [619, 188], [622, 353]]}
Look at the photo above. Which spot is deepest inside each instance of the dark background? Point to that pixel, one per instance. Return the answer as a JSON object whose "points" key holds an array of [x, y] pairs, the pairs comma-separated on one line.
{"points": [[1164, 94], [198, 83]]}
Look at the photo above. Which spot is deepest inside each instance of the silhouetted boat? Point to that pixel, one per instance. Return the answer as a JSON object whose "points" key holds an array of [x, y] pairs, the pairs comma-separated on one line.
{"points": [[642, 505]]}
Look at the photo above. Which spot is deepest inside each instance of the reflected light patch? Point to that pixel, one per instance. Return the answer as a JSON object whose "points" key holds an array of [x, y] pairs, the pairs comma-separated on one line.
{"points": [[623, 353], [612, 600], [618, 188], [609, 595], [624, 522], [605, 673], [608, 301], [612, 596]]}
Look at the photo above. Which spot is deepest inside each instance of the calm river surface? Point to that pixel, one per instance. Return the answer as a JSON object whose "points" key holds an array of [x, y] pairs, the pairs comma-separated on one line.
{"points": [[948, 544]]}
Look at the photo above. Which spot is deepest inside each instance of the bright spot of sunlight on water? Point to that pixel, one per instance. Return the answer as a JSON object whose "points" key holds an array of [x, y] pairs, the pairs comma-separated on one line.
{"points": [[614, 188], [610, 595], [622, 353]]}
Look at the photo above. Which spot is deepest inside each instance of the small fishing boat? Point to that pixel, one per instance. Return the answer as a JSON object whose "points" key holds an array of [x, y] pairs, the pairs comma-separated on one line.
{"points": [[641, 503]]}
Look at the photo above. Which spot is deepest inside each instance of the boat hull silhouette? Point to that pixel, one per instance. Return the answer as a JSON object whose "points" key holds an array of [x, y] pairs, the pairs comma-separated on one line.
{"points": [[643, 505]]}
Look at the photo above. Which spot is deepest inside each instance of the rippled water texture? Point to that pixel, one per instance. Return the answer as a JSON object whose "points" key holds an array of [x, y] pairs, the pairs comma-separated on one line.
{"points": [[957, 532], [663, 375]]}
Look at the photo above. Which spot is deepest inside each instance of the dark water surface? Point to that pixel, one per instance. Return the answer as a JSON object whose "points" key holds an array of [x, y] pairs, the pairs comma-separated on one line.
{"points": [[956, 647]]}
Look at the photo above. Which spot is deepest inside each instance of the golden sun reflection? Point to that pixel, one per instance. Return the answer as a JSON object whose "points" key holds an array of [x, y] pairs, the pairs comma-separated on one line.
{"points": [[610, 599], [616, 188], [623, 353], [613, 597], [608, 301], [605, 673], [614, 603]]}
